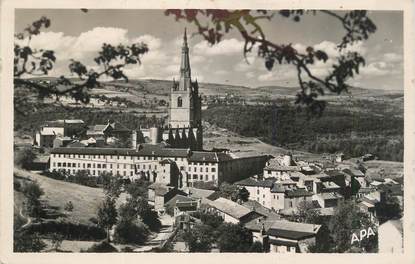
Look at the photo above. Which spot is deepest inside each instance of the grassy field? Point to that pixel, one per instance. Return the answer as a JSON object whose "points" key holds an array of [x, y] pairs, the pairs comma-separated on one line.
{"points": [[57, 193], [379, 168]]}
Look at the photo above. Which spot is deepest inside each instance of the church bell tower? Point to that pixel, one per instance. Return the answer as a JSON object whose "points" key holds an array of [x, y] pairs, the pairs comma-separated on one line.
{"points": [[185, 103]]}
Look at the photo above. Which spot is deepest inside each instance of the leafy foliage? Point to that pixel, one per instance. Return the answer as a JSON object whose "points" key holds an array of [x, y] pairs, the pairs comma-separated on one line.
{"points": [[107, 215], [32, 192], [356, 23], [130, 232], [111, 61], [306, 214], [137, 188], [139, 207], [23, 242], [243, 194], [112, 185], [256, 247], [69, 230], [377, 132], [234, 238], [199, 238], [233, 192], [68, 206], [347, 219], [56, 240], [24, 157], [388, 209], [101, 247]]}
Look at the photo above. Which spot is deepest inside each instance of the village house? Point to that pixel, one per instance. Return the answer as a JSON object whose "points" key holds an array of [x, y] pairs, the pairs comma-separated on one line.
{"points": [[181, 204], [159, 194], [390, 236], [326, 199], [274, 194], [111, 129], [47, 133], [281, 168], [230, 211], [292, 237]]}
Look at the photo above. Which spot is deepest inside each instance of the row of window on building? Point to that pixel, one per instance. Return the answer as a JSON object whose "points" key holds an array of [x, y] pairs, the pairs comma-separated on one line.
{"points": [[104, 166], [81, 156], [101, 166]]}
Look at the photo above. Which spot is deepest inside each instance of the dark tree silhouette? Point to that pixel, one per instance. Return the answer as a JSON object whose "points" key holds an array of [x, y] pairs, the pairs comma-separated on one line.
{"points": [[33, 62], [214, 24], [107, 215]]}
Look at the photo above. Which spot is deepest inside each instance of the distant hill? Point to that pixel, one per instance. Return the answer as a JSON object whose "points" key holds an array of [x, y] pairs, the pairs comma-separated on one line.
{"points": [[152, 87]]}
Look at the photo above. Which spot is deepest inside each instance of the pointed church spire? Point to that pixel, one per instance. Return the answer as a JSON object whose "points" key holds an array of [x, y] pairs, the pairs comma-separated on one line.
{"points": [[185, 38], [185, 64]]}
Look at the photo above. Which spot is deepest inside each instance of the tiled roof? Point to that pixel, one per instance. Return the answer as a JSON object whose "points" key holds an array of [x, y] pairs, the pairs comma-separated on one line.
{"points": [[96, 128], [159, 188], [259, 208], [274, 167], [199, 193], [333, 173], [278, 188], [178, 198], [283, 242], [331, 195], [293, 230], [298, 193], [257, 224], [119, 127], [253, 182], [354, 172], [147, 150], [330, 185], [230, 208]]}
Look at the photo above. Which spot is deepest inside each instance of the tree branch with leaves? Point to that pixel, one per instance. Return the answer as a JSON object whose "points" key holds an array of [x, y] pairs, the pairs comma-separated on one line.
{"points": [[30, 62], [214, 24]]}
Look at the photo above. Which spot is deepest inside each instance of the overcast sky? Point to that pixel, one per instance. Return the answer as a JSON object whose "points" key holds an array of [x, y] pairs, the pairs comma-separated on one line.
{"points": [[78, 35]]}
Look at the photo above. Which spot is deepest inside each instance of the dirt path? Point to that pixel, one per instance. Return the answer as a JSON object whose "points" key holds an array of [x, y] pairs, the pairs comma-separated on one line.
{"points": [[29, 220]]}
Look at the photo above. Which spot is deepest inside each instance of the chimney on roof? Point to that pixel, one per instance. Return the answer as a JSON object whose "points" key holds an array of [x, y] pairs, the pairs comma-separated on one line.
{"points": [[263, 229]]}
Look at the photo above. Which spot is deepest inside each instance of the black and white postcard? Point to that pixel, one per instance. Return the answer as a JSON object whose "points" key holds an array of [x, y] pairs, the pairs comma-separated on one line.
{"points": [[141, 130]]}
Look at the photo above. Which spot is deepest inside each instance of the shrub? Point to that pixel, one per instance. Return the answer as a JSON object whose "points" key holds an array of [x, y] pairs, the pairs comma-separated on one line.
{"points": [[200, 238], [127, 232], [24, 158], [234, 238], [32, 192], [56, 241], [93, 220], [70, 231], [101, 248], [150, 218], [24, 242], [127, 249], [68, 206], [16, 185], [256, 247]]}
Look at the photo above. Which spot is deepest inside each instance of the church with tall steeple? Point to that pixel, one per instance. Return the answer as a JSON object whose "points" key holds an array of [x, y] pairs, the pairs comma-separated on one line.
{"points": [[185, 113]]}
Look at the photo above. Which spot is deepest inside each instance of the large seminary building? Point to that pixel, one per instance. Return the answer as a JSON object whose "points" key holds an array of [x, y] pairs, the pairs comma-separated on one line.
{"points": [[175, 154]]}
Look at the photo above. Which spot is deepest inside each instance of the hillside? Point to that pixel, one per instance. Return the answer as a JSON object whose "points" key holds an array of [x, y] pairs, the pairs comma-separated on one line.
{"points": [[378, 130], [136, 90], [86, 200], [366, 120]]}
